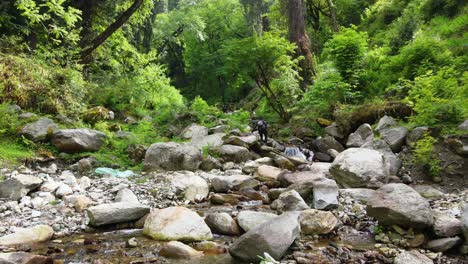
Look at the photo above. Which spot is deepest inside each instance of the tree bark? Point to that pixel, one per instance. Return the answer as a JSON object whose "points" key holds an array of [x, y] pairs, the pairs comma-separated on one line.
{"points": [[333, 18], [298, 35], [121, 19]]}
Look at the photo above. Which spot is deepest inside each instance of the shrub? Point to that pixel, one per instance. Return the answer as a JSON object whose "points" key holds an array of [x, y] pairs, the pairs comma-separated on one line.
{"points": [[424, 154], [203, 111]]}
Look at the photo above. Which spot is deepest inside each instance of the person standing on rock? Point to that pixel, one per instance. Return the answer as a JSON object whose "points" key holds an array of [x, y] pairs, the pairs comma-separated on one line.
{"points": [[261, 126]]}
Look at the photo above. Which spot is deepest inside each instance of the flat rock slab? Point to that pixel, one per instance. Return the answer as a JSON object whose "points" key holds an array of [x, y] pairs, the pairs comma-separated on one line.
{"points": [[250, 219], [35, 234], [113, 213]]}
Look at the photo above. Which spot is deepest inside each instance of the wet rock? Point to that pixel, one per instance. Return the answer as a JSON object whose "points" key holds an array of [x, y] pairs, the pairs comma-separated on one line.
{"points": [[399, 204], [234, 153], [223, 224], [24, 258], [289, 201], [209, 163], [78, 140], [194, 131], [223, 184], [35, 234], [187, 185], [316, 222], [359, 167], [384, 123], [328, 142], [323, 157], [360, 194], [443, 244], [446, 226], [361, 136], [113, 213], [178, 250], [325, 193], [39, 130], [176, 223], [210, 247], [415, 135], [273, 237], [126, 195], [392, 161], [18, 186], [172, 157], [412, 257], [250, 219], [395, 137], [220, 199], [267, 173]]}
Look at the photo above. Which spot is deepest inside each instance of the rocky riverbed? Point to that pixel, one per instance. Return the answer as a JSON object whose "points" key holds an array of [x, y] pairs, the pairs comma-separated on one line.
{"points": [[249, 203]]}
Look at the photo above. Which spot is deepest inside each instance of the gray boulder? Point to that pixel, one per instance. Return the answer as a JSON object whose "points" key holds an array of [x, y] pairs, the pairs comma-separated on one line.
{"points": [[223, 224], [316, 222], [24, 258], [212, 141], [334, 131], [395, 137], [361, 136], [273, 237], [384, 123], [194, 131], [412, 257], [172, 157], [325, 194], [287, 179], [328, 142], [289, 201], [392, 161], [78, 140], [244, 141], [362, 195], [234, 153], [210, 163], [176, 223], [446, 225], [178, 250], [399, 204], [38, 130], [464, 221], [126, 195], [223, 184], [443, 244], [250, 219], [18, 186], [35, 234], [187, 185], [359, 167], [113, 213], [415, 135]]}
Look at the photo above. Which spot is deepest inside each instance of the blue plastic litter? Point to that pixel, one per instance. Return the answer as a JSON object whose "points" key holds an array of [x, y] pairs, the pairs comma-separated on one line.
{"points": [[113, 172]]}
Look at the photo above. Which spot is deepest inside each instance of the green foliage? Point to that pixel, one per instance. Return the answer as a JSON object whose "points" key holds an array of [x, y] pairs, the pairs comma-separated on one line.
{"points": [[12, 151], [425, 154], [347, 50], [439, 98], [204, 113], [238, 119], [33, 84]]}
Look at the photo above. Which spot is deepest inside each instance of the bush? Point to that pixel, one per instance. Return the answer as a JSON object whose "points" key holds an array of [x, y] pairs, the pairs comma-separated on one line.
{"points": [[204, 113], [424, 154]]}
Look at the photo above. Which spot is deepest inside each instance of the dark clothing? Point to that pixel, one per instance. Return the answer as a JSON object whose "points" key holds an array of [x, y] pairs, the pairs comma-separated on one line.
{"points": [[261, 126]]}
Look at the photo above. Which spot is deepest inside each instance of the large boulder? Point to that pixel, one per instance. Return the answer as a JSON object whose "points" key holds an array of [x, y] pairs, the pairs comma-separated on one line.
{"points": [[335, 131], [24, 258], [35, 234], [359, 167], [328, 142], [245, 141], [212, 141], [412, 257], [392, 161], [18, 186], [78, 140], [273, 237], [362, 195], [287, 179], [267, 173], [194, 131], [446, 225], [361, 136], [416, 134], [399, 204], [316, 222], [223, 184], [178, 250], [223, 224], [210, 163], [289, 201], [113, 213], [234, 153], [395, 137], [187, 185], [172, 157], [250, 219], [385, 122], [176, 223], [38, 130]]}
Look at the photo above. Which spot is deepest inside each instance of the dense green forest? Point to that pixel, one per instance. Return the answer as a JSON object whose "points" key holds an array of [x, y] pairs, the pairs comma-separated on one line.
{"points": [[299, 64]]}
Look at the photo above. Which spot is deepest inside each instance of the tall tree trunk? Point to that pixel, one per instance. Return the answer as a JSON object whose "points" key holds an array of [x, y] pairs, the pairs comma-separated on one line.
{"points": [[333, 18], [121, 19], [253, 12], [86, 34], [298, 35]]}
